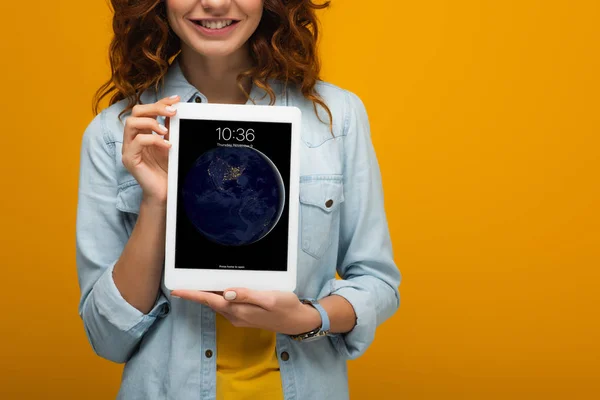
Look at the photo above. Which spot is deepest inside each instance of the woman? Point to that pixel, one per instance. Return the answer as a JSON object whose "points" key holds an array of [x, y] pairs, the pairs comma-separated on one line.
{"points": [[241, 344]]}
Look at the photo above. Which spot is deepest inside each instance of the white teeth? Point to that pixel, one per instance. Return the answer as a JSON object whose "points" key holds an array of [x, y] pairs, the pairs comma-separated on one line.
{"points": [[216, 24]]}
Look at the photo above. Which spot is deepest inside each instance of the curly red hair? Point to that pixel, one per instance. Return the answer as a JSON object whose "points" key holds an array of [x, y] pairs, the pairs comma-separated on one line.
{"points": [[283, 47]]}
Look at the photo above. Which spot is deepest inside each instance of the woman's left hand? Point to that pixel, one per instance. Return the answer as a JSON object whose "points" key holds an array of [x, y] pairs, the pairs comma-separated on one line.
{"points": [[271, 310]]}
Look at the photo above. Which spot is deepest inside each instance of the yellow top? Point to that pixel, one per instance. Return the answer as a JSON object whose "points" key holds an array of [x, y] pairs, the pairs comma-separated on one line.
{"points": [[247, 365]]}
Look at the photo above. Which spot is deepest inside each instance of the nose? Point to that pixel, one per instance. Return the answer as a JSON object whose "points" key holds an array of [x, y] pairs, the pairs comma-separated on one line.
{"points": [[216, 5]]}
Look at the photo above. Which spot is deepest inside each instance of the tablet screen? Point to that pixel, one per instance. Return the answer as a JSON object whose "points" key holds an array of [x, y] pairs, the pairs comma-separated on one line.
{"points": [[233, 195]]}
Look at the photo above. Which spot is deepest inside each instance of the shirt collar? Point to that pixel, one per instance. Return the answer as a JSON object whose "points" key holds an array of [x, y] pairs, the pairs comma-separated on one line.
{"points": [[175, 83]]}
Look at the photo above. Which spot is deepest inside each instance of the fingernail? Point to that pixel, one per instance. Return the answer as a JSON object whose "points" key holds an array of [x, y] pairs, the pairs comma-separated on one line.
{"points": [[167, 142], [173, 97], [231, 295], [170, 108], [163, 128], [175, 297]]}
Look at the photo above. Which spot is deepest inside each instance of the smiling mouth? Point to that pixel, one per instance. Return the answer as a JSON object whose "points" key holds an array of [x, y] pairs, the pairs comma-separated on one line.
{"points": [[215, 25]]}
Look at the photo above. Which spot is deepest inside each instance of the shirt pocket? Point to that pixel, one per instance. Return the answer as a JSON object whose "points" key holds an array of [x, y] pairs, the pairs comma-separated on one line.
{"points": [[129, 199], [320, 200]]}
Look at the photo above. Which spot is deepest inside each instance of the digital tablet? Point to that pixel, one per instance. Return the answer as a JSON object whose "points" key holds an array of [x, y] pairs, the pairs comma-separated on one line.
{"points": [[232, 206]]}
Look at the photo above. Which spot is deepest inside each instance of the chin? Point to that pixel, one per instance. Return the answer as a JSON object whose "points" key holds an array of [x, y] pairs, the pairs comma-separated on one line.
{"points": [[215, 49]]}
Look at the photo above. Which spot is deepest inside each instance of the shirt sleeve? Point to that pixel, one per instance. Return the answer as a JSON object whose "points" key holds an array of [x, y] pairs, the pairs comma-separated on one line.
{"points": [[370, 278], [114, 327]]}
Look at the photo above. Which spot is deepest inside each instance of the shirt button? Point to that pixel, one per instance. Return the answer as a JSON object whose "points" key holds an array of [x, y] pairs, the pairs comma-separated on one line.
{"points": [[285, 356], [329, 203], [208, 353], [198, 100]]}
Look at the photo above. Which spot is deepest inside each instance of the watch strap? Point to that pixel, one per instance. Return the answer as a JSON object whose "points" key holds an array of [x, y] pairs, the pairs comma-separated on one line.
{"points": [[324, 317], [323, 330]]}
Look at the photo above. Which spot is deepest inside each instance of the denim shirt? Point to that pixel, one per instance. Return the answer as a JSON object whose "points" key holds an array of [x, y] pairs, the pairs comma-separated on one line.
{"points": [[166, 350]]}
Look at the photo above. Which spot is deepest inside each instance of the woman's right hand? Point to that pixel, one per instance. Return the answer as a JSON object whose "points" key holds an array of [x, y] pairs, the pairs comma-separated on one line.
{"points": [[146, 155]]}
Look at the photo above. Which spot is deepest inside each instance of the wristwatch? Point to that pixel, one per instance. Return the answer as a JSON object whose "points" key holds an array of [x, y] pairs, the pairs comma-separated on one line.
{"points": [[323, 330]]}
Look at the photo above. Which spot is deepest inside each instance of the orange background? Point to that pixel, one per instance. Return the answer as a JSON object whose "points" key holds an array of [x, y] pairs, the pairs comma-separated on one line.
{"points": [[485, 118]]}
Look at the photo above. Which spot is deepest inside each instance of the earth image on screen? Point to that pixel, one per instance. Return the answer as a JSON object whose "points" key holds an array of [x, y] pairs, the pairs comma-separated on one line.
{"points": [[233, 196]]}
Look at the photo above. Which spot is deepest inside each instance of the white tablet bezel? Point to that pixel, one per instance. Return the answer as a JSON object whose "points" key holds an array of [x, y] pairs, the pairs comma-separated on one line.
{"points": [[219, 280]]}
